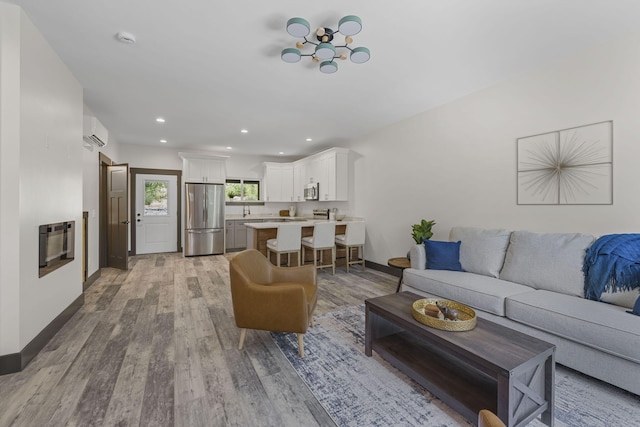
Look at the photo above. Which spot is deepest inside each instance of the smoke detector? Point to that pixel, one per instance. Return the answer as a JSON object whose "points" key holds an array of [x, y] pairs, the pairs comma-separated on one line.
{"points": [[125, 37]]}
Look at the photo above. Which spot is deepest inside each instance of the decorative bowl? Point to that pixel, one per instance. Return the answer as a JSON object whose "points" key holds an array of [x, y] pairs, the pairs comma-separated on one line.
{"points": [[466, 316], [340, 217]]}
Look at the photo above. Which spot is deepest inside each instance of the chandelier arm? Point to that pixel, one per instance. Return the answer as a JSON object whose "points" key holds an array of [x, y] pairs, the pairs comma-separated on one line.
{"points": [[311, 42]]}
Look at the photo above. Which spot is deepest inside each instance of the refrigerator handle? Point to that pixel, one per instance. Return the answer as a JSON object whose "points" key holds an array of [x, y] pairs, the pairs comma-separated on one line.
{"points": [[204, 208]]}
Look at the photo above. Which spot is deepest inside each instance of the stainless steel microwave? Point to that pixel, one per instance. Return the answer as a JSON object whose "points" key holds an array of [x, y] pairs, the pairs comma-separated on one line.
{"points": [[312, 191]]}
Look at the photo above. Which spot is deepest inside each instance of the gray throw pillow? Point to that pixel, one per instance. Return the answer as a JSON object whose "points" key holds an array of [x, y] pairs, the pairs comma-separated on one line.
{"points": [[481, 251], [547, 261]]}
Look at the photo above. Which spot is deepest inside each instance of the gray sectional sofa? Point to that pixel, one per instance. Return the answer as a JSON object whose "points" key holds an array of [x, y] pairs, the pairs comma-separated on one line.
{"points": [[533, 282]]}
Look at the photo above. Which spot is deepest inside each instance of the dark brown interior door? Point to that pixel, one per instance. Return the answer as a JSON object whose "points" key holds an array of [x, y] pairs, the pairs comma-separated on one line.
{"points": [[117, 216]]}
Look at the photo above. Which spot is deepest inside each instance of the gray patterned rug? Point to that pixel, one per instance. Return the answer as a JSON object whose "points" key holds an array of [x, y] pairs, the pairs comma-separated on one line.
{"points": [[357, 390]]}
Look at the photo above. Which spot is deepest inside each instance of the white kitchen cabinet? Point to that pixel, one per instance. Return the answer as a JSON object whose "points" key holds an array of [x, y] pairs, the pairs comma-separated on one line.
{"points": [[285, 182], [330, 170], [278, 182], [203, 168], [300, 180]]}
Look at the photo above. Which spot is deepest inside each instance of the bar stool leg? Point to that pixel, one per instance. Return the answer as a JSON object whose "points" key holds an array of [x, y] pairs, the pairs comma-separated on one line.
{"points": [[348, 252], [333, 260]]}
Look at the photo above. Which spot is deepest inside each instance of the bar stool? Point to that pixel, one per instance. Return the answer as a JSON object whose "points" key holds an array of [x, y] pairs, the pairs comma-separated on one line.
{"points": [[353, 237], [287, 241], [323, 238]]}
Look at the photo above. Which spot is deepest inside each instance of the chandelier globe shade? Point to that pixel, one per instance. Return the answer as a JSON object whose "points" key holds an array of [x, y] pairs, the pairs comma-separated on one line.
{"points": [[298, 27], [350, 25], [290, 55], [360, 55], [325, 51], [328, 67]]}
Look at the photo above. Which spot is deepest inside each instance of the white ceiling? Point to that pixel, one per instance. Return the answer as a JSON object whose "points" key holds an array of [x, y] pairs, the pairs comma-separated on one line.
{"points": [[212, 68]]}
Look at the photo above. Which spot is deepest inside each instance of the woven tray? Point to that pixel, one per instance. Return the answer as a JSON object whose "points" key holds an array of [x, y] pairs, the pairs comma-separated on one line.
{"points": [[466, 316]]}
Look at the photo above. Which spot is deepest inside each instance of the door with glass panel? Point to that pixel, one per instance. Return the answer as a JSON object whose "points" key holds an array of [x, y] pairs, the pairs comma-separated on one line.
{"points": [[156, 213]]}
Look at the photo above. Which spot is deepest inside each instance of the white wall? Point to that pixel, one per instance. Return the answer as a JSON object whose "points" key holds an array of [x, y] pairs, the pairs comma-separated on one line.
{"points": [[457, 163], [90, 203], [9, 170], [91, 193], [45, 143]]}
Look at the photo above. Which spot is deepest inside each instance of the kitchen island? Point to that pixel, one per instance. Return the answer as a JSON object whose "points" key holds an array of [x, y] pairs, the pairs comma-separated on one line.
{"points": [[258, 234]]}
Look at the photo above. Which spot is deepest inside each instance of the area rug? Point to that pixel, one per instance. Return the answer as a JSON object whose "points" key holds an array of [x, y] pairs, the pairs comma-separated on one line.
{"points": [[357, 390]]}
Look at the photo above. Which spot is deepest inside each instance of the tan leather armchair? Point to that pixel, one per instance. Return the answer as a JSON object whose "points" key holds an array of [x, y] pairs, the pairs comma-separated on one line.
{"points": [[487, 418], [270, 298]]}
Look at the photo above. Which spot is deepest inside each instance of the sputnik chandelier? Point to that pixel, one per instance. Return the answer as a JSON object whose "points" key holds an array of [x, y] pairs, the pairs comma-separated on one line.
{"points": [[325, 51]]}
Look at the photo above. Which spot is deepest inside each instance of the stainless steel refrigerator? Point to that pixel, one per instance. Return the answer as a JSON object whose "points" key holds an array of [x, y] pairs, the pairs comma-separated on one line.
{"points": [[204, 219]]}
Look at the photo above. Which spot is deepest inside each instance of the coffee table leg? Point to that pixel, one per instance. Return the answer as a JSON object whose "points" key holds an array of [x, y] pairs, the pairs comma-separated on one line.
{"points": [[548, 416], [368, 330]]}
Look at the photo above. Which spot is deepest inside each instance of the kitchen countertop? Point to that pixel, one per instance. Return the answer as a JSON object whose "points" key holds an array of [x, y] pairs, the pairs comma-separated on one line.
{"points": [[305, 223], [239, 217], [276, 218]]}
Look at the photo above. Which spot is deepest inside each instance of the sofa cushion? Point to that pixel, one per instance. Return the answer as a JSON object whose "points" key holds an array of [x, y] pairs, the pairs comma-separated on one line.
{"points": [[599, 325], [442, 255], [547, 261], [482, 251], [622, 298], [477, 291]]}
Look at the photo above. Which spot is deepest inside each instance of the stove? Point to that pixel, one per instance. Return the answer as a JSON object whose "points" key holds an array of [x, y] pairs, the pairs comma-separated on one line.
{"points": [[321, 213]]}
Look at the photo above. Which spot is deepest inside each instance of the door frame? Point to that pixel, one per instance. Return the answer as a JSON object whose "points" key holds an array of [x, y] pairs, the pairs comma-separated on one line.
{"points": [[103, 162], [132, 206]]}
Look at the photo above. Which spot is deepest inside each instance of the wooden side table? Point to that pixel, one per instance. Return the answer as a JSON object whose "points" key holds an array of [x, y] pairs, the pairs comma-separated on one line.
{"points": [[402, 263]]}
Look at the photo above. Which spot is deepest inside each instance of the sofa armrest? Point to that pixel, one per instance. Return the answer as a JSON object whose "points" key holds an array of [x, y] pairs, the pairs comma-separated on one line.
{"points": [[418, 257]]}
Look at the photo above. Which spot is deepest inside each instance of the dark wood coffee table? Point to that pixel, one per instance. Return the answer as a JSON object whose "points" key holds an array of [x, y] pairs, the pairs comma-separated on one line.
{"points": [[489, 367]]}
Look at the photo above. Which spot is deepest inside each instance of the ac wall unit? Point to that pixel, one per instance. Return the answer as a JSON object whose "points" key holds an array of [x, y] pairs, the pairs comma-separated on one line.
{"points": [[93, 132]]}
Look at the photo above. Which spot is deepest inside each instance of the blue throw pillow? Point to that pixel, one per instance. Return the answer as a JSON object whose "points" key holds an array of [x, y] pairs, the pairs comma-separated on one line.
{"points": [[442, 255]]}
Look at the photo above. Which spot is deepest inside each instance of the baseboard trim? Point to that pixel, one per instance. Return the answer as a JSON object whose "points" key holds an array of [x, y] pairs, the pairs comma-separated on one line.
{"points": [[16, 362], [384, 268], [91, 279]]}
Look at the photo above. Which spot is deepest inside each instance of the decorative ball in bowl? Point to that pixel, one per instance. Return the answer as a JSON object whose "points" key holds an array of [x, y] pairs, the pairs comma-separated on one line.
{"points": [[340, 217]]}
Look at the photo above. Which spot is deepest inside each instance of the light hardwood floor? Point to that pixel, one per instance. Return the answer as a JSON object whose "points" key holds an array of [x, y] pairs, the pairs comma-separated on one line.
{"points": [[157, 346]]}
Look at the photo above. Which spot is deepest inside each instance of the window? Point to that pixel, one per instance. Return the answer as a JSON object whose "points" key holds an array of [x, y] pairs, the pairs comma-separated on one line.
{"points": [[242, 190], [155, 198]]}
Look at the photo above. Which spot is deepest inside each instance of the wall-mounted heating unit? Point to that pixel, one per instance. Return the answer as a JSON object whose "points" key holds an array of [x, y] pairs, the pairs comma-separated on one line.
{"points": [[93, 132]]}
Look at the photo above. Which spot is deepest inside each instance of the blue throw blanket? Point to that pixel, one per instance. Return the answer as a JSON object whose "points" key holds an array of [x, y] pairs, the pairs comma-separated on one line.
{"points": [[612, 263]]}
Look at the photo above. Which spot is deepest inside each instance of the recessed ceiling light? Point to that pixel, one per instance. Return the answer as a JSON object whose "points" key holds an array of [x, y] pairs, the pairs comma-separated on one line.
{"points": [[164, 141], [160, 120], [244, 131], [282, 152], [228, 148], [309, 139]]}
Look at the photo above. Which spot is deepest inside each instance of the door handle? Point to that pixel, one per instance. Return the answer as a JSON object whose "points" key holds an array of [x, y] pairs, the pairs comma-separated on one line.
{"points": [[125, 222]]}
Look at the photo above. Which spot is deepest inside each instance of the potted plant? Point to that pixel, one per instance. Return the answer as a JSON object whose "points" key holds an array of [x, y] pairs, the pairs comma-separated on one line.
{"points": [[422, 230]]}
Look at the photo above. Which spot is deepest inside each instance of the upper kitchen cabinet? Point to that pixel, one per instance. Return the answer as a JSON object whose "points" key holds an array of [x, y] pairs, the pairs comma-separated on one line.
{"points": [[278, 182], [285, 182], [203, 168], [330, 169], [300, 179]]}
